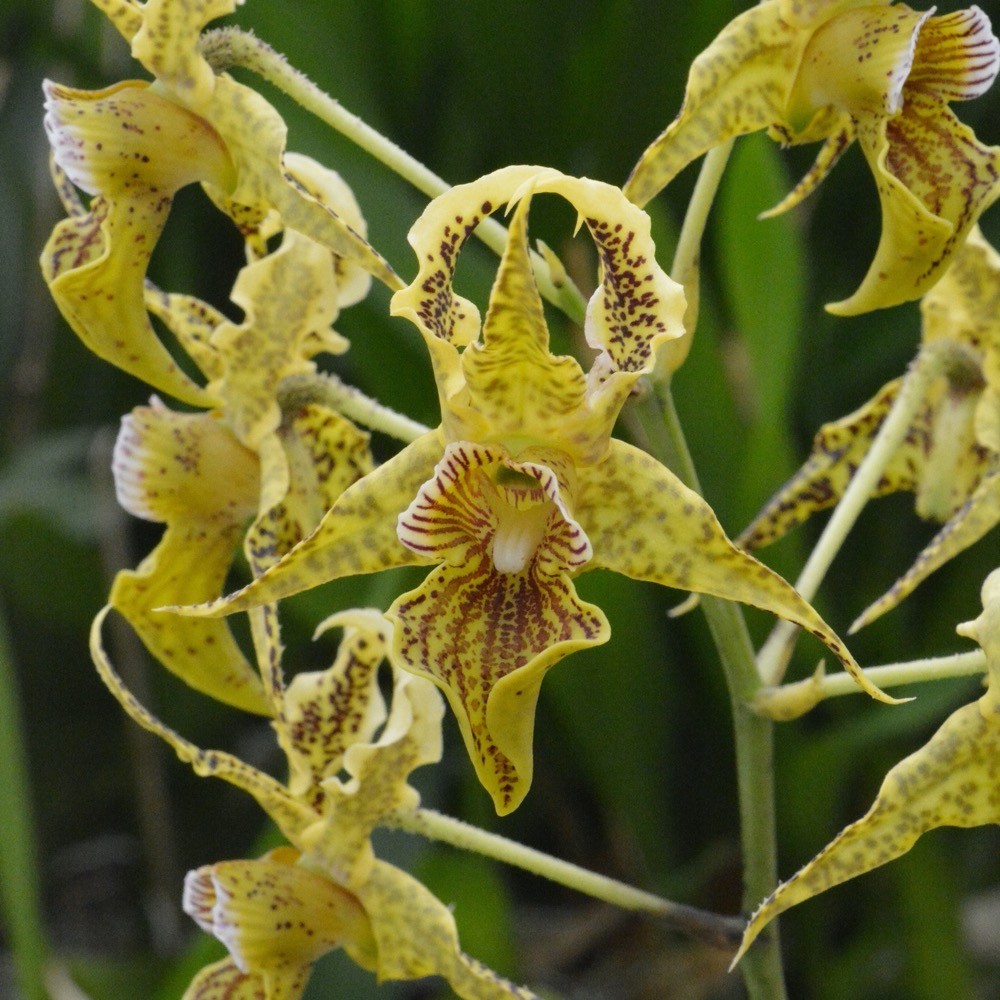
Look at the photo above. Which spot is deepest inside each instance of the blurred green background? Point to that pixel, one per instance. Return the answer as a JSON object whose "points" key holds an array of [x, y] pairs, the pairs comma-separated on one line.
{"points": [[634, 770]]}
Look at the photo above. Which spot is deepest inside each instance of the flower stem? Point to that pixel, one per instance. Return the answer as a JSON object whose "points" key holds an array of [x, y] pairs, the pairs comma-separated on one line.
{"points": [[929, 364], [721, 931], [753, 734], [788, 701], [328, 390], [19, 895], [225, 47]]}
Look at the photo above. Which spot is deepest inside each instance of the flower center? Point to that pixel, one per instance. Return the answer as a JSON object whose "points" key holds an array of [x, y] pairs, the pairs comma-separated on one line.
{"points": [[521, 524]]}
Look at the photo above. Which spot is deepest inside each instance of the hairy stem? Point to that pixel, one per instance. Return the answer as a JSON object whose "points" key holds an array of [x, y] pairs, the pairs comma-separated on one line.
{"points": [[720, 931], [225, 47], [330, 391]]}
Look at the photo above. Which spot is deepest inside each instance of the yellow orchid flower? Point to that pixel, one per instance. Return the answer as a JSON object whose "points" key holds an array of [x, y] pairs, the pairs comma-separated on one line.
{"points": [[206, 475], [132, 146], [349, 760], [952, 781], [951, 454], [522, 487], [840, 70]]}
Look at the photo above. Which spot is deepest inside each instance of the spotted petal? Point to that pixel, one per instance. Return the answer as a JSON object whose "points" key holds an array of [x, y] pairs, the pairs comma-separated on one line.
{"points": [[287, 298], [224, 980], [417, 937], [488, 623], [325, 712], [277, 918], [935, 179], [132, 149], [167, 468], [645, 524], [739, 84]]}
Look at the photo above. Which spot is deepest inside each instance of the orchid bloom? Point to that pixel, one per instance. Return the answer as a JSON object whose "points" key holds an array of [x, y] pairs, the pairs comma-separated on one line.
{"points": [[952, 781], [132, 146], [951, 454], [522, 487], [840, 70], [349, 761], [206, 475]]}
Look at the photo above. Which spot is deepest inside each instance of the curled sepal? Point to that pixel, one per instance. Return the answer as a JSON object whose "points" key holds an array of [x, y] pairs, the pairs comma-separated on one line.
{"points": [[437, 237], [289, 299], [935, 179], [637, 307], [416, 936], [977, 516], [377, 782], [132, 149], [645, 524], [501, 609], [169, 467], [255, 136], [739, 84], [276, 918], [167, 45], [326, 711], [952, 781], [289, 814], [357, 535]]}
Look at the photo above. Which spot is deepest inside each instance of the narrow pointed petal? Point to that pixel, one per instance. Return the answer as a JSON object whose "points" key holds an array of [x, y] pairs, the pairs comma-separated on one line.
{"points": [[934, 180], [830, 152], [166, 469], [645, 524], [739, 84], [125, 15], [275, 917], [191, 321], [290, 815], [255, 136], [980, 514], [132, 149], [417, 937], [952, 781], [638, 307], [516, 389], [837, 450], [357, 535]]}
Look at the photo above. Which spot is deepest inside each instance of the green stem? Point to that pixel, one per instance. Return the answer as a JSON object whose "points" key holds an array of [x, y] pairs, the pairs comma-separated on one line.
{"points": [[753, 734], [929, 364], [298, 390], [225, 47], [789, 701], [723, 932], [19, 893]]}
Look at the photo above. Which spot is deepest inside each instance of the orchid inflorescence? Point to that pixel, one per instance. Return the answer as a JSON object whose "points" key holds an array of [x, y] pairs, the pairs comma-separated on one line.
{"points": [[522, 487]]}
